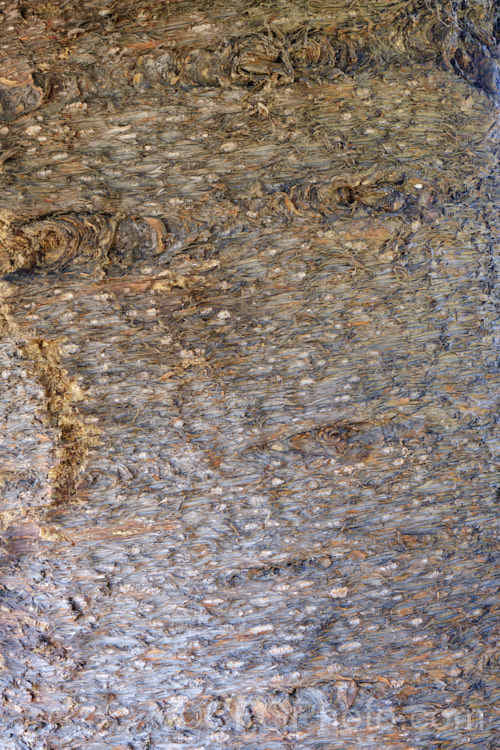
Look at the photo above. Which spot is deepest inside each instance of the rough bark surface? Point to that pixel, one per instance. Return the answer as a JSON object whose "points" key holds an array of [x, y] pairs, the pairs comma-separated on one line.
{"points": [[250, 327]]}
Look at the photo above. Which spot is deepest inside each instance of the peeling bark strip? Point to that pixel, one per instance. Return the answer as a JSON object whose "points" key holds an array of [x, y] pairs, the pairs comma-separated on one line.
{"points": [[62, 394]]}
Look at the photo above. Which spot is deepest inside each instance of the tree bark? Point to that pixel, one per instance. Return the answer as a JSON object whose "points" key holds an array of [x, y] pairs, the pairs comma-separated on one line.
{"points": [[249, 354]]}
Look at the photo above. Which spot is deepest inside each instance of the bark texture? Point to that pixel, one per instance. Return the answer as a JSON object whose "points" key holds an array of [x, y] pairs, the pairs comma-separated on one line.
{"points": [[250, 328]]}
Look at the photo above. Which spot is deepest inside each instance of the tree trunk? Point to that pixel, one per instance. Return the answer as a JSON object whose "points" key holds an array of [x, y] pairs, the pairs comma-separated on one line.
{"points": [[250, 367]]}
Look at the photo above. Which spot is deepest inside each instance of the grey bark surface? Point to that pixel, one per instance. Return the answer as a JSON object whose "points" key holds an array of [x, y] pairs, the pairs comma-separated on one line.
{"points": [[250, 368]]}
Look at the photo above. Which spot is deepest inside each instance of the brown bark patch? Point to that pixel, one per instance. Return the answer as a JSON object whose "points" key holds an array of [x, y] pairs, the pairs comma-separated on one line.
{"points": [[62, 393]]}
